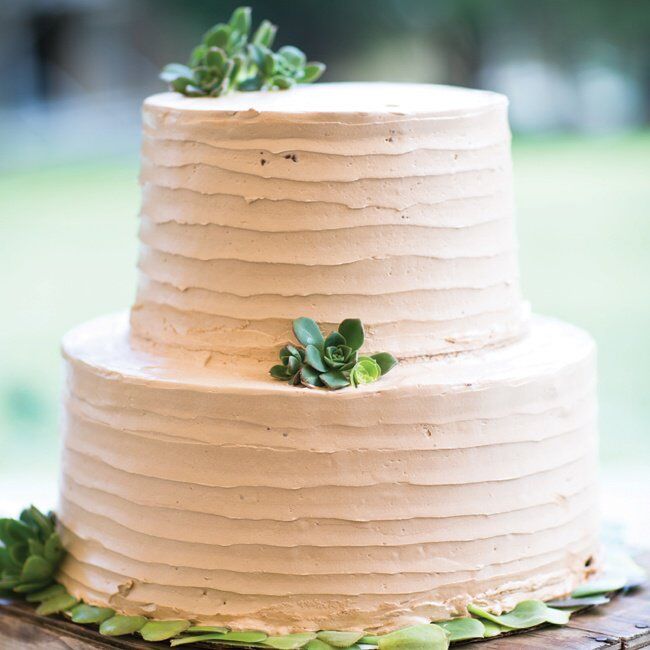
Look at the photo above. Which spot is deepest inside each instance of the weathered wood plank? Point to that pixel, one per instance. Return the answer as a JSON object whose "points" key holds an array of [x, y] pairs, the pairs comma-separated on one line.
{"points": [[548, 639]]}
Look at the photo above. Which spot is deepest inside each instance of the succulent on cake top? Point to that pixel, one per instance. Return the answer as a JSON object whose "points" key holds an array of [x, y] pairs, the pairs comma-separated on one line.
{"points": [[229, 58], [331, 362]]}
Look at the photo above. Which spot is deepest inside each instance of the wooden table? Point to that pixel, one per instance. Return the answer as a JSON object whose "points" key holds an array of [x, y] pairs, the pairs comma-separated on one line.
{"points": [[623, 623]]}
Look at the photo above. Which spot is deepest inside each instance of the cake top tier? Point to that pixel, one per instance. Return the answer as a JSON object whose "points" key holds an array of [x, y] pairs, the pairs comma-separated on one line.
{"points": [[425, 100], [391, 203]]}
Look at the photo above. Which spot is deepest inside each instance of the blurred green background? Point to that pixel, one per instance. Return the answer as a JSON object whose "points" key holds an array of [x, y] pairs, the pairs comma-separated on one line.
{"points": [[577, 73]]}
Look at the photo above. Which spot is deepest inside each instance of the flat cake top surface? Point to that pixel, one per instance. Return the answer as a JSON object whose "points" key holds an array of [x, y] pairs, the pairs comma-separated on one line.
{"points": [[350, 97]]}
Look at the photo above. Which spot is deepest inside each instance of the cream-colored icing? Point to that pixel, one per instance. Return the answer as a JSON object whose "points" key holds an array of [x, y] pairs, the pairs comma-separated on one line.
{"points": [[193, 485], [223, 496], [390, 202]]}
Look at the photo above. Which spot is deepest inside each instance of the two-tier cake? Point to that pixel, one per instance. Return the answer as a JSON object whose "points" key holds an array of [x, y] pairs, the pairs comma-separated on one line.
{"points": [[195, 485]]}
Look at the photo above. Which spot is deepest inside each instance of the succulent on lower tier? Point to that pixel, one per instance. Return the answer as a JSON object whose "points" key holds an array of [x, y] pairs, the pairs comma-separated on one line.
{"points": [[30, 552], [331, 362]]}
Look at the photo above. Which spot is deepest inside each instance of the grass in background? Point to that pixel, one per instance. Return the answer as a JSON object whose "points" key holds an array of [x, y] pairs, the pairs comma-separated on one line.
{"points": [[69, 249]]}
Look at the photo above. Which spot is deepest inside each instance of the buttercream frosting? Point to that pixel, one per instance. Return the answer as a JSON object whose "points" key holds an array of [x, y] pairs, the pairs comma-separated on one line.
{"points": [[392, 202], [222, 496], [194, 485]]}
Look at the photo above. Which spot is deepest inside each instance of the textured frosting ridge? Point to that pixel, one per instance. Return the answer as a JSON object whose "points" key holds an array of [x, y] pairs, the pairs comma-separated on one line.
{"points": [[195, 486], [450, 481], [392, 202]]}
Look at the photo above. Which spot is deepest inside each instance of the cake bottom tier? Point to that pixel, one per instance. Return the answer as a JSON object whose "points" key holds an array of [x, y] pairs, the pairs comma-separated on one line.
{"points": [[226, 497]]}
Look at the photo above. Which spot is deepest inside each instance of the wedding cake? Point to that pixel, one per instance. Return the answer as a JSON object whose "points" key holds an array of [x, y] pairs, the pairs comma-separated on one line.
{"points": [[195, 485]]}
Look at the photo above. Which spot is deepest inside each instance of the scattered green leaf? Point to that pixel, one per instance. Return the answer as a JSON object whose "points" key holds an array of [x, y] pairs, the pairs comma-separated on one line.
{"points": [[162, 630], [463, 629], [289, 641], [120, 625], [214, 629], [339, 639], [528, 613], [604, 585], [417, 637], [56, 604], [86, 614], [586, 601]]}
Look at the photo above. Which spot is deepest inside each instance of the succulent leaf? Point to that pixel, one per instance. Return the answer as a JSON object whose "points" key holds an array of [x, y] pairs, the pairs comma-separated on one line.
{"points": [[293, 56], [334, 379], [336, 357], [365, 371], [385, 360], [45, 594], [527, 613], [339, 639], [265, 34], [352, 331], [280, 372], [87, 614], [312, 72], [314, 358], [119, 625], [31, 587], [308, 332], [53, 549], [56, 604], [417, 637], [310, 377], [290, 641], [334, 339], [162, 630], [241, 20], [36, 569], [463, 629]]}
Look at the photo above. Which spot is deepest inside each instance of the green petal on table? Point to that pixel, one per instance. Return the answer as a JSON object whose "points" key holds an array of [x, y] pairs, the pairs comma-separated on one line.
{"points": [[56, 604], [492, 629], [45, 594], [317, 644], [217, 638], [370, 639], [119, 625], [290, 641], [208, 629], [585, 601], [417, 637], [163, 630], [528, 613], [339, 639], [245, 636], [603, 585], [463, 629], [86, 614]]}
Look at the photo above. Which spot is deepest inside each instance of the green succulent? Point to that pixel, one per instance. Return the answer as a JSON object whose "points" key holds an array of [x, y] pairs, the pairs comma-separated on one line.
{"points": [[228, 58], [331, 362], [30, 552]]}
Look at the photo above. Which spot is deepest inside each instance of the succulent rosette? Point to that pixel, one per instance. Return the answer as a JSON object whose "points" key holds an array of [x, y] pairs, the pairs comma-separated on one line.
{"points": [[230, 57], [331, 362]]}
